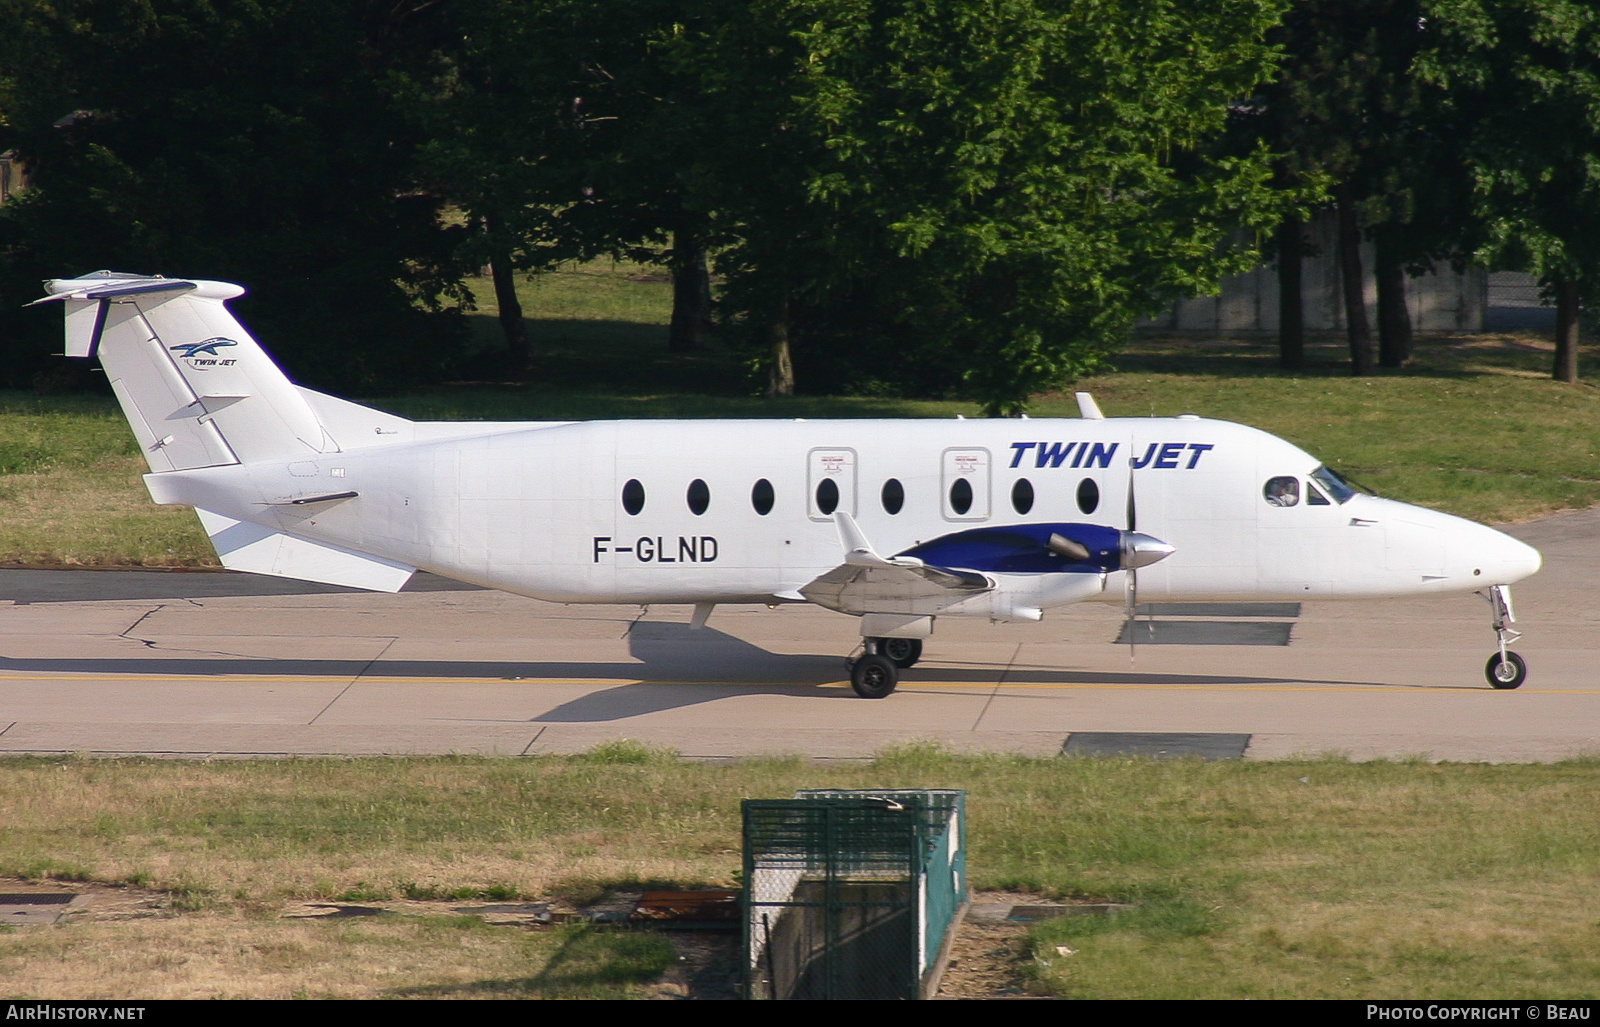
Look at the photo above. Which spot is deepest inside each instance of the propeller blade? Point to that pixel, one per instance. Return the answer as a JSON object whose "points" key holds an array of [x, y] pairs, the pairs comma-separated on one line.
{"points": [[1138, 550], [1133, 513], [1130, 623]]}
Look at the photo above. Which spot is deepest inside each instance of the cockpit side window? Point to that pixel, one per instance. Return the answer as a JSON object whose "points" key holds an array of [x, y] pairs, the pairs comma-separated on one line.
{"points": [[1282, 491], [1337, 487], [1315, 498]]}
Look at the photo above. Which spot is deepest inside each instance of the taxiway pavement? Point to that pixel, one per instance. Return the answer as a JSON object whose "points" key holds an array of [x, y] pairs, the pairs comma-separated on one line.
{"points": [[204, 664]]}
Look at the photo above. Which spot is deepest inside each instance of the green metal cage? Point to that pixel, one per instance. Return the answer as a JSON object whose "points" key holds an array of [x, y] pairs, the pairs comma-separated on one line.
{"points": [[851, 894]]}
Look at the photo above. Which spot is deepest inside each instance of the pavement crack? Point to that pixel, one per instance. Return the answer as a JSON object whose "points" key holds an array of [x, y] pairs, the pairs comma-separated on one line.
{"points": [[525, 749], [127, 632], [13, 724], [352, 682], [150, 643], [644, 611], [998, 682]]}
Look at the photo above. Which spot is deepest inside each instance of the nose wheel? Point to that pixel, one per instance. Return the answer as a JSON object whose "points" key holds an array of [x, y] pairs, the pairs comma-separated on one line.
{"points": [[1505, 669]]}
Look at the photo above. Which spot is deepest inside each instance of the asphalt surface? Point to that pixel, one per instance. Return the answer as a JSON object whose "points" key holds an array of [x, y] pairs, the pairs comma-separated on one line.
{"points": [[220, 664]]}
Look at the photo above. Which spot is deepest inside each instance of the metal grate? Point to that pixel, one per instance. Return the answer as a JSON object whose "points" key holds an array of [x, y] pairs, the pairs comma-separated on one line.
{"points": [[851, 894]]}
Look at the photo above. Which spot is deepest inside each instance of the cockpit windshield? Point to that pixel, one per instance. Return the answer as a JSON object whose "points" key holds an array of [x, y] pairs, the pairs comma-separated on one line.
{"points": [[1337, 485]]}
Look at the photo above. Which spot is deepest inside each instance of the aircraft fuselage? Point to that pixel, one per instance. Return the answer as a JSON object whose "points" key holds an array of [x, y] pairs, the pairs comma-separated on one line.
{"points": [[549, 511]]}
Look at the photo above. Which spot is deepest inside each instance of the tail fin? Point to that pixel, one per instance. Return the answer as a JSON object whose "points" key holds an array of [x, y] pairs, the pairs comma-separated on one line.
{"points": [[196, 388]]}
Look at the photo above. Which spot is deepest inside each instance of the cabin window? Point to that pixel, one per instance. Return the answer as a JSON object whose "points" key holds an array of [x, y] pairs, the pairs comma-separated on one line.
{"points": [[699, 496], [1088, 495], [894, 496], [1022, 496], [761, 497], [1315, 498], [1282, 491], [827, 496], [633, 497], [961, 496]]}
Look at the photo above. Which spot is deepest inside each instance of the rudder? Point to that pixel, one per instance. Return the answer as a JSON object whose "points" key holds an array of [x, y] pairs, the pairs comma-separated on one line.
{"points": [[196, 388]]}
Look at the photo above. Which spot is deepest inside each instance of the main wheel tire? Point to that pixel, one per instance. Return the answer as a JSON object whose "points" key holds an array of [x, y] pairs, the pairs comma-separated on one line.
{"points": [[903, 652], [1507, 673], [874, 677]]}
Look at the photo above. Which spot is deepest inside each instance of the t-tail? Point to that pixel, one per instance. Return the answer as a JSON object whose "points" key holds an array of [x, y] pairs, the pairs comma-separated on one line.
{"points": [[202, 397]]}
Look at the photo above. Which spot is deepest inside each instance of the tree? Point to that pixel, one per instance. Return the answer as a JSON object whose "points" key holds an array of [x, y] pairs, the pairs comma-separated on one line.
{"points": [[562, 136], [1348, 110], [978, 195], [1525, 75], [249, 140]]}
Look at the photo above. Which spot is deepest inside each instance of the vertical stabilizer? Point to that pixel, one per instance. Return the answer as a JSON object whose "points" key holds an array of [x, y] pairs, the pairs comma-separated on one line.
{"points": [[197, 389]]}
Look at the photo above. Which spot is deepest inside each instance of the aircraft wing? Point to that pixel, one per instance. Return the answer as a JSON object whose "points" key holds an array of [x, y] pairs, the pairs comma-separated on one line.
{"points": [[869, 583]]}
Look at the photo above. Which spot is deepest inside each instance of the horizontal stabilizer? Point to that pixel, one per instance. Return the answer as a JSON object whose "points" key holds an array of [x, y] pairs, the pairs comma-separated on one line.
{"points": [[246, 546], [197, 389]]}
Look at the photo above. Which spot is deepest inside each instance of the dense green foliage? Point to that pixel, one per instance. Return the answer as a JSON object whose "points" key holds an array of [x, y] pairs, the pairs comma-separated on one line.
{"points": [[246, 140], [900, 196], [1443, 131], [983, 196], [1525, 76]]}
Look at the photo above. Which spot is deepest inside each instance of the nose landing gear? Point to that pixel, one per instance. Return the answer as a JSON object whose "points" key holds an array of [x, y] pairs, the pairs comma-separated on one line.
{"points": [[1505, 669]]}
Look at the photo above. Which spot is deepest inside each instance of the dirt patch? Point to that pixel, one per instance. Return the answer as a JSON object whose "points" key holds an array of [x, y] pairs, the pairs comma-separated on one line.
{"points": [[985, 955], [988, 951]]}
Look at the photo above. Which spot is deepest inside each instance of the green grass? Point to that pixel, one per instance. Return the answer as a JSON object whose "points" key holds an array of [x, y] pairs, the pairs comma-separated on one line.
{"points": [[1474, 427], [1268, 880]]}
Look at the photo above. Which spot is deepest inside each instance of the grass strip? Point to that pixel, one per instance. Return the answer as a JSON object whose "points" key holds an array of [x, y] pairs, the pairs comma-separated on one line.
{"points": [[1268, 880]]}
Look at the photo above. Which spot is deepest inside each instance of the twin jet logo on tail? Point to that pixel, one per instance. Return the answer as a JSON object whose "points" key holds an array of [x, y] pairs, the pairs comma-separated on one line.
{"points": [[191, 350]]}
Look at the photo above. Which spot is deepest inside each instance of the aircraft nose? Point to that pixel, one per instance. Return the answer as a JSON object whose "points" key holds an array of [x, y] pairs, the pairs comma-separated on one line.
{"points": [[1509, 559]]}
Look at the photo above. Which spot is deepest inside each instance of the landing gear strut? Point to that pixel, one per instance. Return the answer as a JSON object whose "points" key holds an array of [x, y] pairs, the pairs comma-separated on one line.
{"points": [[1504, 669]]}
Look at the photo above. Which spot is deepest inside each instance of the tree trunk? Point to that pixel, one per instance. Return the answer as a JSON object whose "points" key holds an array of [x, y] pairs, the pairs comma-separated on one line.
{"points": [[1291, 302], [1394, 320], [505, 297], [1567, 309], [691, 294], [1355, 306], [780, 374]]}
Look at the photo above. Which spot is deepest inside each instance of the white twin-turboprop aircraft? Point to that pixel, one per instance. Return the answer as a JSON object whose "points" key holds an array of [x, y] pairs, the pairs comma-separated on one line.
{"points": [[896, 522]]}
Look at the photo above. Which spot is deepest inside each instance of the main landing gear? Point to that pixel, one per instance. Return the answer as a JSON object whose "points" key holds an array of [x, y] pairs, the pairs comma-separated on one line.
{"points": [[876, 672], [1505, 669]]}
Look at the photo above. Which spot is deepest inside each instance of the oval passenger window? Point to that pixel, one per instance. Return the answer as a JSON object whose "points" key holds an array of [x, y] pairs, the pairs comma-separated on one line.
{"points": [[894, 496], [827, 496], [761, 497], [699, 496], [633, 497], [961, 496], [1088, 495], [1022, 495]]}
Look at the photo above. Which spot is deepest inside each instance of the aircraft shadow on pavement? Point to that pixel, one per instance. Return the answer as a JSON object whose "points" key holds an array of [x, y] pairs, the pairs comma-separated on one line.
{"points": [[675, 667]]}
